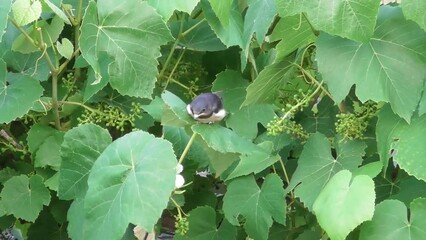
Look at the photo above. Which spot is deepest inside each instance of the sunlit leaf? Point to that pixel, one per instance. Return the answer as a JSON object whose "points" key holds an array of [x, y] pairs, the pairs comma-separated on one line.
{"points": [[65, 48], [390, 67], [26, 11], [4, 13], [166, 8], [125, 185], [316, 165], [133, 42], [391, 222], [344, 203], [415, 10]]}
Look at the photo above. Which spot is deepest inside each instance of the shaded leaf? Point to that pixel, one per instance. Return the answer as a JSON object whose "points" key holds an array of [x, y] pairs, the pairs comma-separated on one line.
{"points": [[257, 205], [232, 86], [18, 96], [82, 145], [406, 141], [265, 87], [316, 165], [37, 134], [48, 153], [203, 225], [380, 68], [124, 184], [57, 11], [344, 203], [50, 31], [410, 188], [24, 197], [133, 42], [390, 221], [174, 113]]}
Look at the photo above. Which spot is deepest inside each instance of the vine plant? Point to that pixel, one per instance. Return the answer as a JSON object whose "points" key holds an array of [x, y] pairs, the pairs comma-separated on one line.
{"points": [[324, 137]]}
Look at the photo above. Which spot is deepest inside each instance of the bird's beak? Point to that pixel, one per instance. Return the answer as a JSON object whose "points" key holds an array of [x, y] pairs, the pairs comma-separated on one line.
{"points": [[196, 116]]}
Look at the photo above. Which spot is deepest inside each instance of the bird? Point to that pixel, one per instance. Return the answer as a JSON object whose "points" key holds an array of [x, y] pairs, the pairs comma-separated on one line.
{"points": [[206, 108]]}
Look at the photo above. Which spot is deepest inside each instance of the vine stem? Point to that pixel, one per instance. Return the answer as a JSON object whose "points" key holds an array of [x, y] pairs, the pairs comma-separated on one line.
{"points": [[81, 105], [55, 99], [188, 146], [174, 69]]}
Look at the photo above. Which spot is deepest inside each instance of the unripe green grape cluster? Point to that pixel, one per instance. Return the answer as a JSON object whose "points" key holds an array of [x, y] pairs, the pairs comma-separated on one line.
{"points": [[182, 225], [353, 125], [112, 116], [68, 82]]}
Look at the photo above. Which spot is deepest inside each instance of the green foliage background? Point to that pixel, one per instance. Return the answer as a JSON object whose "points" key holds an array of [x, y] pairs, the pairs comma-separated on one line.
{"points": [[324, 137]]}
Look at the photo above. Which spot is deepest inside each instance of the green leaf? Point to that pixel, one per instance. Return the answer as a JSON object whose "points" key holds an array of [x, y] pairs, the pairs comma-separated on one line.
{"points": [[48, 153], [50, 32], [18, 96], [350, 19], [265, 87], [244, 122], [230, 34], [4, 13], [232, 86], [24, 197], [371, 169], [410, 188], [166, 8], [82, 145], [37, 134], [200, 38], [345, 203], [28, 64], [381, 67], [203, 225], [222, 10], [65, 48], [257, 205], [255, 162], [415, 10], [26, 11], [91, 89], [390, 221], [125, 187], [405, 140], [258, 18], [174, 113], [76, 220], [294, 32], [7, 173], [316, 165], [133, 42], [57, 11], [155, 108]]}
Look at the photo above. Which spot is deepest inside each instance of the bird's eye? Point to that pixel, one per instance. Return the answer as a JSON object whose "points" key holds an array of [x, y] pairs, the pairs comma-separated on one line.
{"points": [[202, 110]]}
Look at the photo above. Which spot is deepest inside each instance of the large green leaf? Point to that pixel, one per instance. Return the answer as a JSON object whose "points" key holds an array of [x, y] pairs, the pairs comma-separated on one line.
{"points": [[203, 225], [37, 134], [410, 188], [26, 11], [390, 221], [345, 203], [294, 32], [166, 8], [222, 9], [258, 18], [133, 42], [17, 96], [265, 87], [232, 86], [24, 197], [244, 122], [82, 145], [50, 31], [406, 141], [230, 34], [4, 13], [76, 220], [130, 182], [415, 10], [316, 165], [390, 67], [257, 205], [351, 19]]}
